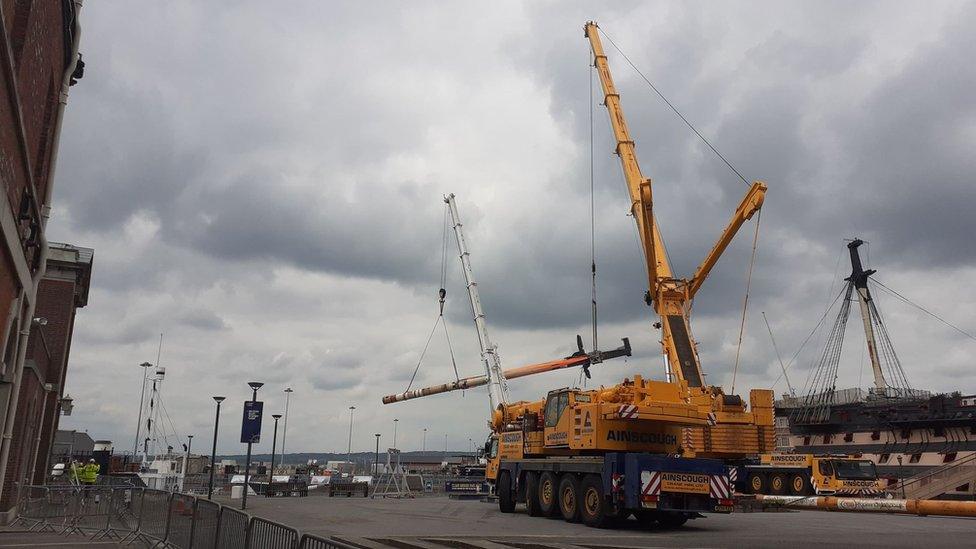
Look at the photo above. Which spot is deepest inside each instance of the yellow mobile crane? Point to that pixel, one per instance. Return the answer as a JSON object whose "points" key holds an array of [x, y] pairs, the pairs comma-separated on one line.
{"points": [[602, 454], [732, 430]]}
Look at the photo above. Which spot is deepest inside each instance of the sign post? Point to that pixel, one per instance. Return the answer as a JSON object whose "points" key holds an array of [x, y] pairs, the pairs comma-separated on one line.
{"points": [[250, 432]]}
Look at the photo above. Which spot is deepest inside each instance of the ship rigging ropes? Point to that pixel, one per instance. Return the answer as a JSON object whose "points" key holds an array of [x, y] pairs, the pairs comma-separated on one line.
{"points": [[822, 385], [442, 298]]}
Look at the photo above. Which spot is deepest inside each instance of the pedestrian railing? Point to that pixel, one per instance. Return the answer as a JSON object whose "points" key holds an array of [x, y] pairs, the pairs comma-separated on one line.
{"points": [[155, 518]]}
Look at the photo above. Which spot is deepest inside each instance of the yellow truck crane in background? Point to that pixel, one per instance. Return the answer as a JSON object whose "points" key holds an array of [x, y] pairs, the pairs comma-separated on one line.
{"points": [[809, 474], [733, 431]]}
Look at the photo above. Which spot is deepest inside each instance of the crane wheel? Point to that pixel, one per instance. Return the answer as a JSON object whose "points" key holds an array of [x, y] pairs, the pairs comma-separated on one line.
{"points": [[569, 497], [532, 505], [777, 483], [548, 494], [757, 483], [594, 507], [506, 496], [799, 484]]}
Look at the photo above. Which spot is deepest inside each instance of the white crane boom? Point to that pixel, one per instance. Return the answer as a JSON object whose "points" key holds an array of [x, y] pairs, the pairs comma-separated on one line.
{"points": [[497, 385]]}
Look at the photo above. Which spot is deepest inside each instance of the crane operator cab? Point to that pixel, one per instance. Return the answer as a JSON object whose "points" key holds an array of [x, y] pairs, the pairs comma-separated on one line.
{"points": [[557, 420], [491, 458]]}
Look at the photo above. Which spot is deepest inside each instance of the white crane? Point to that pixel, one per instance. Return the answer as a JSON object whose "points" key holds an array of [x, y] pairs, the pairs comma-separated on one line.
{"points": [[497, 385]]}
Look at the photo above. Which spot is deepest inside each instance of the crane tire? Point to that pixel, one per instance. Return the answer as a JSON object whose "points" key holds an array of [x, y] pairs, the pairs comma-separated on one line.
{"points": [[778, 484], [799, 484], [506, 496], [756, 483], [569, 497], [594, 506], [549, 494], [532, 505]]}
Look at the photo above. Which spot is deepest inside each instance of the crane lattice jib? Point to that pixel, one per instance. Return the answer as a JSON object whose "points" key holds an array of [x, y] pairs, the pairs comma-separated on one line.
{"points": [[668, 295]]}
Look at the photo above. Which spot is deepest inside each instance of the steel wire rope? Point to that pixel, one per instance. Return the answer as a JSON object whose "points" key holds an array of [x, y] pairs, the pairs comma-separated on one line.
{"points": [[923, 309], [442, 295], [745, 301], [423, 353], [675, 109], [592, 68]]}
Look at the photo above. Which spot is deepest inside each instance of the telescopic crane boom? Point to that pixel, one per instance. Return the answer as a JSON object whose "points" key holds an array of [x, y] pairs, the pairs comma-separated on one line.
{"points": [[494, 377], [671, 296], [497, 386]]}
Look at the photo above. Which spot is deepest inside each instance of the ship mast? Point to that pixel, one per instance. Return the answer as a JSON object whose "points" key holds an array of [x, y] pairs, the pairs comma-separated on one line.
{"points": [[859, 278]]}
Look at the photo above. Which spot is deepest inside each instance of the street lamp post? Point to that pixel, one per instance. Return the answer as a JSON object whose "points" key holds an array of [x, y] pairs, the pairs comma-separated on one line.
{"points": [[425, 440], [186, 460], [142, 398], [376, 457], [213, 453], [274, 442], [395, 421], [349, 449], [284, 428], [254, 385]]}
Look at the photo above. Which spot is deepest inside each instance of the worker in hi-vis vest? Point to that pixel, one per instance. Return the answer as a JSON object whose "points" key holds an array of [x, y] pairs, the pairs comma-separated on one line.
{"points": [[89, 473]]}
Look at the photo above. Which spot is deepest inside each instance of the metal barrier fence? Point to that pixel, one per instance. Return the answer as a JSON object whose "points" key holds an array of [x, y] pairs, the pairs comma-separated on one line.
{"points": [[155, 518]]}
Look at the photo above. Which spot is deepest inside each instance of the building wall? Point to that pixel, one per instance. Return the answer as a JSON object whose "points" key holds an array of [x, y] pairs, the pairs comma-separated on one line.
{"points": [[36, 52], [61, 292]]}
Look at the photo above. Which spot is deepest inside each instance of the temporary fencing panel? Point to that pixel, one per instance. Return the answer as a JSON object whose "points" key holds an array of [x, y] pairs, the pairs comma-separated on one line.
{"points": [[206, 516], [91, 509], [153, 514], [155, 518], [127, 505], [59, 507], [33, 509], [232, 529], [265, 534], [180, 524]]}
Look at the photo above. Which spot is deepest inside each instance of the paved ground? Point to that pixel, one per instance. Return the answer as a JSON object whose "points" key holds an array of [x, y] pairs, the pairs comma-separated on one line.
{"points": [[438, 522], [11, 539]]}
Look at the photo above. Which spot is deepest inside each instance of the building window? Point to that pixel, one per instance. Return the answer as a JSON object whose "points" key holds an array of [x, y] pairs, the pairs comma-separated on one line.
{"points": [[876, 435], [884, 458], [827, 438], [849, 437], [806, 440], [915, 458], [906, 433], [949, 457], [939, 432]]}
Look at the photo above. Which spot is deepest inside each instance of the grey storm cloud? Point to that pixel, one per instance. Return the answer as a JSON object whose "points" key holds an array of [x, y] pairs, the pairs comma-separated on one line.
{"points": [[265, 185]]}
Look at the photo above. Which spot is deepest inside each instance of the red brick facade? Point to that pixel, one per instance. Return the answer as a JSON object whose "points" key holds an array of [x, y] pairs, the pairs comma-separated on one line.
{"points": [[62, 291], [38, 43]]}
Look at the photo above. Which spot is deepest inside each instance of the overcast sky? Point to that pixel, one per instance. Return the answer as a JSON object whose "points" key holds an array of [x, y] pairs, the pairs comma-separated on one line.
{"points": [[263, 185]]}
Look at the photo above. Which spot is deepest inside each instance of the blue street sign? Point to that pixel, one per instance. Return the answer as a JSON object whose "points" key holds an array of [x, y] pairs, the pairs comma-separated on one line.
{"points": [[251, 424]]}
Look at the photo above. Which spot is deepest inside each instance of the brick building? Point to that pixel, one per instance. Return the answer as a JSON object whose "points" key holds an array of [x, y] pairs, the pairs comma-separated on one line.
{"points": [[63, 290], [38, 62]]}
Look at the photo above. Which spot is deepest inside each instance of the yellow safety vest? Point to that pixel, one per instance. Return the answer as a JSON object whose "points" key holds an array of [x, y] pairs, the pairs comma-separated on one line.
{"points": [[89, 473]]}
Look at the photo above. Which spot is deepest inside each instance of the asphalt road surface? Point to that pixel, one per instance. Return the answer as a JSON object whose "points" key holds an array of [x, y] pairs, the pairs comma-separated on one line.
{"points": [[439, 523]]}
